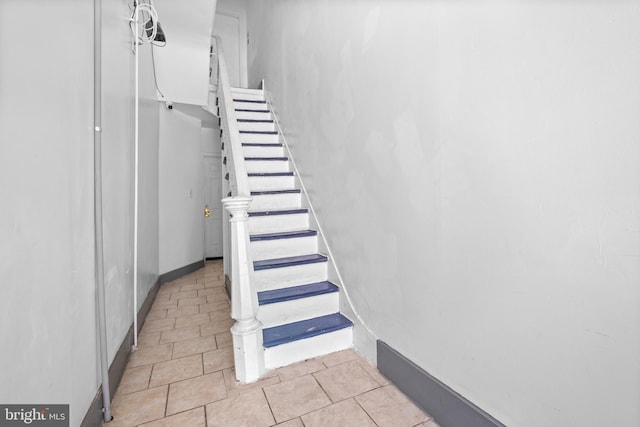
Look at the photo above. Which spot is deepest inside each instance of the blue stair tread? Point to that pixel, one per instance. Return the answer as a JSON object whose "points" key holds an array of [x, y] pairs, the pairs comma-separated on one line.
{"points": [[267, 264], [255, 101], [260, 132], [267, 158], [244, 110], [296, 292], [283, 334], [282, 235], [279, 212], [257, 144], [254, 121], [270, 174], [288, 191]]}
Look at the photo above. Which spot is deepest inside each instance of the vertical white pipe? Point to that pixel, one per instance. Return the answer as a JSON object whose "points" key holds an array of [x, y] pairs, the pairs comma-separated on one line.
{"points": [[135, 189], [97, 207]]}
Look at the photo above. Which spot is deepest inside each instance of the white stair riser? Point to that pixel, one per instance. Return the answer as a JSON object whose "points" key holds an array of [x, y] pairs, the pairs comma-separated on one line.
{"points": [[260, 183], [281, 248], [257, 166], [253, 151], [252, 115], [254, 96], [249, 105], [256, 126], [271, 202], [259, 138], [238, 89], [299, 309], [296, 351], [275, 278], [278, 223]]}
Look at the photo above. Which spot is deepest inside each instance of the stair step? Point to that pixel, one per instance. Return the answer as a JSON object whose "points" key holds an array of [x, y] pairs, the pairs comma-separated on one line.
{"points": [[256, 125], [276, 199], [252, 149], [250, 105], [268, 264], [245, 110], [295, 331], [279, 212], [282, 235], [241, 92], [297, 303], [267, 137], [267, 164], [271, 181], [256, 101], [260, 132], [257, 144], [252, 115], [268, 174], [266, 192], [296, 292], [283, 244], [275, 221]]}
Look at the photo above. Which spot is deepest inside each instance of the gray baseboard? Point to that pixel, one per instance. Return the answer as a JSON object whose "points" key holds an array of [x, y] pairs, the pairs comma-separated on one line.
{"points": [[448, 408], [179, 272], [93, 417]]}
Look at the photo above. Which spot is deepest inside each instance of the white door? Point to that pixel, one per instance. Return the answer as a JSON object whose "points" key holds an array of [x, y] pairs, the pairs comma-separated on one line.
{"points": [[230, 26], [212, 197]]}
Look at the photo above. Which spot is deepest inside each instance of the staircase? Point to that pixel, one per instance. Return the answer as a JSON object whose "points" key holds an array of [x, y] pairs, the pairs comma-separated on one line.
{"points": [[298, 306]]}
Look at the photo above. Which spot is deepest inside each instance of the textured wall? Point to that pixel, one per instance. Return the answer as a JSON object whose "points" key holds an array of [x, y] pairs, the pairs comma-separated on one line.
{"points": [[476, 166], [47, 299]]}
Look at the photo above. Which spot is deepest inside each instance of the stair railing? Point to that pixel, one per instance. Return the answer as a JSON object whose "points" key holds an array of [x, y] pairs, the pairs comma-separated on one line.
{"points": [[247, 331]]}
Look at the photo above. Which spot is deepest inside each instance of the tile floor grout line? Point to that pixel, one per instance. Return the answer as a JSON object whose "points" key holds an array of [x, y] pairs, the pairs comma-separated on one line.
{"points": [[365, 411], [273, 415]]}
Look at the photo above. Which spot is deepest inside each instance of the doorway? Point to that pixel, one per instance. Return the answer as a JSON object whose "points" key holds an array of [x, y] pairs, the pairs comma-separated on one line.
{"points": [[212, 197]]}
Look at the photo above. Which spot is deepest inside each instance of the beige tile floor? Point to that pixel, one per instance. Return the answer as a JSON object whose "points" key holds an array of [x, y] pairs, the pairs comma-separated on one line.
{"points": [[182, 374]]}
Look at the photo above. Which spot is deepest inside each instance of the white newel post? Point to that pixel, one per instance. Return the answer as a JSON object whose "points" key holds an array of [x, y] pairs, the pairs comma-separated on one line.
{"points": [[247, 331]]}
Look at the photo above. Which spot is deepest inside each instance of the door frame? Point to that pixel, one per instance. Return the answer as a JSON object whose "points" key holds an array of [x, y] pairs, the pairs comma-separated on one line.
{"points": [[217, 156]]}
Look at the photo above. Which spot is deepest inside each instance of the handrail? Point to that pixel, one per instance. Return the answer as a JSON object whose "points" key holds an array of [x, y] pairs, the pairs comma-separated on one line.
{"points": [[239, 179]]}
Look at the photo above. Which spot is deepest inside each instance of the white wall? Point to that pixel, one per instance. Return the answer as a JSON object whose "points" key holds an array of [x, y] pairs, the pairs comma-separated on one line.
{"points": [[487, 155], [46, 187], [118, 173], [230, 24], [181, 190], [47, 298], [183, 64]]}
